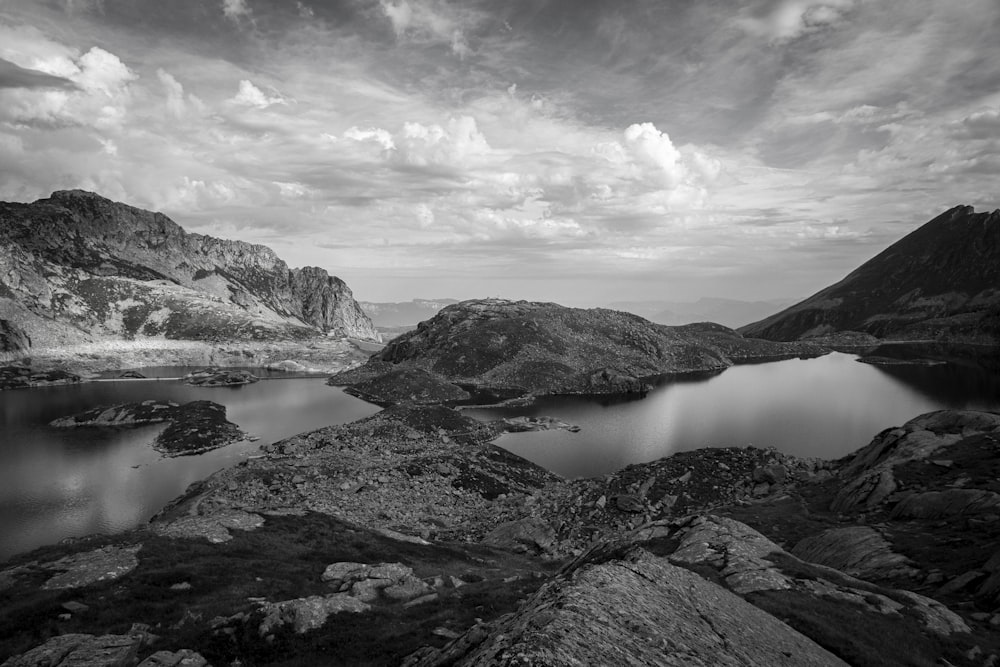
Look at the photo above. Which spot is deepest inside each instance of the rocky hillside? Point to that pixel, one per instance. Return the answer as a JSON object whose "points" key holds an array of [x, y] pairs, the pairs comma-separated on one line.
{"points": [[407, 538], [78, 267], [942, 281], [521, 347]]}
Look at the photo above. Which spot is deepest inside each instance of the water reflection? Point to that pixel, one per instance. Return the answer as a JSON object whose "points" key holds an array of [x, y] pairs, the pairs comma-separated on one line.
{"points": [[825, 407], [56, 483]]}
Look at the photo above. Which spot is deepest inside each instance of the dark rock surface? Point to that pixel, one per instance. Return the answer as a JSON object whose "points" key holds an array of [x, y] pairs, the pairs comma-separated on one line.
{"points": [[14, 343], [213, 377], [543, 348], [77, 267], [940, 282], [192, 428], [410, 386], [22, 377]]}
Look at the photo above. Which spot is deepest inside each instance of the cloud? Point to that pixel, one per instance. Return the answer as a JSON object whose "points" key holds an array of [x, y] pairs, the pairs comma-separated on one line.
{"points": [[99, 96], [428, 22], [983, 124], [15, 76], [399, 15], [250, 95], [235, 10], [174, 92], [791, 19]]}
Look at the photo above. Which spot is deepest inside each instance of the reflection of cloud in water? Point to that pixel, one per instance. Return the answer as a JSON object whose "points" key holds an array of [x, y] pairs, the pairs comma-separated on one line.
{"points": [[56, 483], [825, 407]]}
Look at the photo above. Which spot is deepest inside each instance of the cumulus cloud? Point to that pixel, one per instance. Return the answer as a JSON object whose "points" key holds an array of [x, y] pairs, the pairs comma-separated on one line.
{"points": [[99, 96], [15, 76], [250, 95]]}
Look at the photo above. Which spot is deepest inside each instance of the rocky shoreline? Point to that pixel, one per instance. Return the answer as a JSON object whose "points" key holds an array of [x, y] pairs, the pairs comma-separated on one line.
{"points": [[416, 480]]}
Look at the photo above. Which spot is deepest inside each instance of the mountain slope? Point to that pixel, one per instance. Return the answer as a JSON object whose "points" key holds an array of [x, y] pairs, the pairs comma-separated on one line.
{"points": [[941, 281], [78, 266], [530, 347]]}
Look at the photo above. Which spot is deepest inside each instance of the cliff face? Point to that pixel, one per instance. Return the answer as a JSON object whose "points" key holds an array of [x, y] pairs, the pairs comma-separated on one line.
{"points": [[108, 269], [529, 347], [942, 281]]}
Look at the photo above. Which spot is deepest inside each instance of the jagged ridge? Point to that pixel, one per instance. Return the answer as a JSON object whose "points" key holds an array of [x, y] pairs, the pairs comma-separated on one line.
{"points": [[113, 269]]}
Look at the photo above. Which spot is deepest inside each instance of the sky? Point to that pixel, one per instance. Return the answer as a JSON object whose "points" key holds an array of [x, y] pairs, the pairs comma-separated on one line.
{"points": [[577, 151]]}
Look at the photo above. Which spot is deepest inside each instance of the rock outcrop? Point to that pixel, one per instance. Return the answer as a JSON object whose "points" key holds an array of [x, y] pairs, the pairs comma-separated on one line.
{"points": [[940, 282], [14, 343], [77, 267], [192, 428], [521, 347], [632, 609]]}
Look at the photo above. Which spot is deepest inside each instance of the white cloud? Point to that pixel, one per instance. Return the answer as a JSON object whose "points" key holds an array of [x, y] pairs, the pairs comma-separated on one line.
{"points": [[174, 92], [429, 22], [381, 137], [791, 19], [102, 94], [235, 9], [399, 15], [250, 95]]}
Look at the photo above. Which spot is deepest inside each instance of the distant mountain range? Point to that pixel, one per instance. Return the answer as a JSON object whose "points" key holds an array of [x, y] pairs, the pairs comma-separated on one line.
{"points": [[940, 282], [403, 313], [77, 268]]}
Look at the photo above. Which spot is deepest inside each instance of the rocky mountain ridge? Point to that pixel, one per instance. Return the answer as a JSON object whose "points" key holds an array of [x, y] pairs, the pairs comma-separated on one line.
{"points": [[940, 282], [522, 347], [78, 267]]}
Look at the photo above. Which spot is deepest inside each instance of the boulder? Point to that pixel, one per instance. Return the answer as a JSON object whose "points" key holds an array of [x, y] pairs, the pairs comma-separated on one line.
{"points": [[82, 650], [91, 567], [634, 609], [529, 533], [860, 551], [310, 613]]}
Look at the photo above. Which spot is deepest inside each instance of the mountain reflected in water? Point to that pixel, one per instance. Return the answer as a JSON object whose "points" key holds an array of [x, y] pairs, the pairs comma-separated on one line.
{"points": [[825, 407]]}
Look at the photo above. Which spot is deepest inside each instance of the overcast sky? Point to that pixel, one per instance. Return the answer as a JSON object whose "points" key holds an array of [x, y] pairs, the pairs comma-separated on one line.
{"points": [[579, 151]]}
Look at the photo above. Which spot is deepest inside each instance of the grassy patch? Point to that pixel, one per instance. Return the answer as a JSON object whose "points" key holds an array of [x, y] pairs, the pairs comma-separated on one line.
{"points": [[861, 638], [282, 560]]}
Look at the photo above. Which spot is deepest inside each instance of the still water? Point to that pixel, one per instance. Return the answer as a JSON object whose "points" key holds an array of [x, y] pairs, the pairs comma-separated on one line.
{"points": [[57, 483], [825, 407]]}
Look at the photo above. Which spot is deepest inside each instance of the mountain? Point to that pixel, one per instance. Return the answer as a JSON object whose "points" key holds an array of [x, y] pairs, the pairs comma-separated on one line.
{"points": [[941, 282], [531, 347], [727, 312], [403, 313], [77, 267]]}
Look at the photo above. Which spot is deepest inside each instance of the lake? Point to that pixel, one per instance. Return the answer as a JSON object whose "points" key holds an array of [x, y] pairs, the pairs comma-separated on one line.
{"points": [[57, 483], [825, 407]]}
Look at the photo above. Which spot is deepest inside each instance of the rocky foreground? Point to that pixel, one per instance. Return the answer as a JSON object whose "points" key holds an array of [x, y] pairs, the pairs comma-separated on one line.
{"points": [[407, 538], [514, 348]]}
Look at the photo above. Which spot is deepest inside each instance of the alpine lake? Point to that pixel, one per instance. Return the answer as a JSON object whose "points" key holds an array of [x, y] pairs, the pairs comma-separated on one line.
{"points": [[57, 483]]}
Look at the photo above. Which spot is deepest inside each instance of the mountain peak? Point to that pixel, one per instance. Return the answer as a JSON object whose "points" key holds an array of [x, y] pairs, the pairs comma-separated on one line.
{"points": [[940, 281]]}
